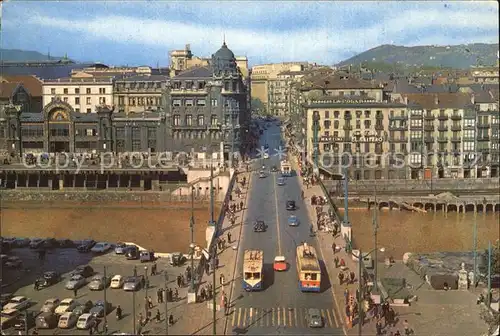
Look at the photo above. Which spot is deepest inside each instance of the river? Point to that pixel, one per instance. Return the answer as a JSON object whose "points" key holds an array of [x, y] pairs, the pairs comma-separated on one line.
{"points": [[403, 231]]}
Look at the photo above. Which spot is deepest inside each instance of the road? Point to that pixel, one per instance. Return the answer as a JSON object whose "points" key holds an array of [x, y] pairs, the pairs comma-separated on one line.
{"points": [[280, 308]]}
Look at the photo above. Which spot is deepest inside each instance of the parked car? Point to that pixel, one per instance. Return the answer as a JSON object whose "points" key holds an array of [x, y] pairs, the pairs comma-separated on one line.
{"points": [[262, 174], [35, 243], [85, 321], [280, 264], [133, 283], [67, 320], [4, 298], [132, 253], [22, 242], [147, 256], [65, 243], [274, 169], [177, 259], [120, 248], [66, 305], [314, 319], [76, 281], [86, 246], [18, 302], [83, 270], [50, 305], [290, 205], [293, 220], [46, 321], [49, 243], [8, 317], [280, 181], [100, 307], [48, 279], [81, 309], [13, 262], [117, 281], [101, 247], [21, 320], [259, 226], [99, 282]]}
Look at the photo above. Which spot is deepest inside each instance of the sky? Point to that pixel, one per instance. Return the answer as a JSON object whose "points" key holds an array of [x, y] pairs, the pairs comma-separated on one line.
{"points": [[143, 32]]}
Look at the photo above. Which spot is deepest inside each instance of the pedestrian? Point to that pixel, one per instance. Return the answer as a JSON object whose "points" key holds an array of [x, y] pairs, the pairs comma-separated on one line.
{"points": [[397, 333], [341, 278], [171, 319], [158, 295], [158, 316], [229, 237], [139, 329], [150, 302], [178, 281], [352, 276], [378, 327], [346, 295], [154, 268], [334, 247], [182, 280], [342, 263], [176, 294], [336, 260], [96, 325], [75, 292], [406, 326], [241, 205]]}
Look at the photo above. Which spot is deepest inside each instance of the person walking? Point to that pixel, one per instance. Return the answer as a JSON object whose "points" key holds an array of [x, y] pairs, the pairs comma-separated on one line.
{"points": [[334, 247], [75, 292], [336, 261], [229, 237]]}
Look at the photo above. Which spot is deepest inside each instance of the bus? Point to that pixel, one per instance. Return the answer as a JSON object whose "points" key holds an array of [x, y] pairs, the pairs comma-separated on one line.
{"points": [[308, 269], [286, 168], [253, 267]]}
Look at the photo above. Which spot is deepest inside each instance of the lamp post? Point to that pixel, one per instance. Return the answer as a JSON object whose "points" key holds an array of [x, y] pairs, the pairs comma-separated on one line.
{"points": [[475, 245], [166, 303], [214, 279], [133, 301], [146, 283], [360, 258], [105, 301], [191, 245], [488, 298], [375, 231]]}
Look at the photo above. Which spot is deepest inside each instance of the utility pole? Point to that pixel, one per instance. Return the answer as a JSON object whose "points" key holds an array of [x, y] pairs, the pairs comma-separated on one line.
{"points": [[315, 139], [212, 221], [105, 301], [133, 301], [475, 245], [360, 289], [375, 231], [166, 303], [488, 299], [214, 279], [191, 285], [214, 249]]}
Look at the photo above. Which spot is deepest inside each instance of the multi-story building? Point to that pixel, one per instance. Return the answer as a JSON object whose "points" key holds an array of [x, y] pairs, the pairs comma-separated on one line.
{"points": [[486, 75], [32, 85], [82, 94], [279, 101], [136, 94]]}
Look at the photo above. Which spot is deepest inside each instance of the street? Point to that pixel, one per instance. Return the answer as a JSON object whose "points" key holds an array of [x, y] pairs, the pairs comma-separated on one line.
{"points": [[280, 307]]}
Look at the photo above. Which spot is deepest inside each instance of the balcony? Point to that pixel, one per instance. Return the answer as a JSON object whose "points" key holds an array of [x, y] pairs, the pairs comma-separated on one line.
{"points": [[456, 116], [483, 125], [483, 138], [429, 128], [456, 127], [442, 128], [442, 139], [429, 139], [398, 128], [379, 127], [429, 116], [484, 150], [347, 127], [456, 139], [416, 127], [443, 116], [379, 116], [397, 117], [400, 139]]}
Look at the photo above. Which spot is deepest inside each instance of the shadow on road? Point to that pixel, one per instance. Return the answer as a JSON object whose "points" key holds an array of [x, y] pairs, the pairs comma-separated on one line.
{"points": [[268, 276], [325, 280]]}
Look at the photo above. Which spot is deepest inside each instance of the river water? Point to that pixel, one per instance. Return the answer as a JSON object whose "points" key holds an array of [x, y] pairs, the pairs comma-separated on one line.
{"points": [[404, 231]]}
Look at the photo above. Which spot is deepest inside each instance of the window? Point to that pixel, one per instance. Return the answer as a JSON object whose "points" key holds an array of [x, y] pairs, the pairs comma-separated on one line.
{"points": [[336, 114], [189, 120], [65, 90], [358, 124], [352, 93], [77, 110], [65, 99], [121, 100], [52, 98], [367, 114], [469, 146], [367, 124], [327, 124], [201, 120], [176, 102], [189, 102], [120, 132], [416, 123], [89, 91], [336, 124], [177, 120], [327, 114], [89, 110], [77, 91], [201, 85], [189, 85], [214, 102], [90, 132], [136, 145], [102, 100], [89, 100], [136, 132], [53, 91], [102, 90], [200, 102], [358, 114], [151, 133], [213, 120], [77, 100]]}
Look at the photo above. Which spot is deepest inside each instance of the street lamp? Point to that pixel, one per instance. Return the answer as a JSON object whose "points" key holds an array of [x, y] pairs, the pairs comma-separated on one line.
{"points": [[146, 283], [133, 301], [360, 258], [166, 303]]}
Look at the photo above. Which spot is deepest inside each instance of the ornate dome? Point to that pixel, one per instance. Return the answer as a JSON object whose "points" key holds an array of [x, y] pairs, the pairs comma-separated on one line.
{"points": [[224, 61], [224, 53]]}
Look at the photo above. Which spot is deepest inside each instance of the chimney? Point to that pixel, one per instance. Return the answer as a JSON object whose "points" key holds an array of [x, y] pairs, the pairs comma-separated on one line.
{"points": [[436, 99], [473, 98], [406, 100]]}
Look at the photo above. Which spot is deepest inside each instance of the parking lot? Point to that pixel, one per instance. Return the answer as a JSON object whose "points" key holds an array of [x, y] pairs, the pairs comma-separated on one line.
{"points": [[64, 260]]}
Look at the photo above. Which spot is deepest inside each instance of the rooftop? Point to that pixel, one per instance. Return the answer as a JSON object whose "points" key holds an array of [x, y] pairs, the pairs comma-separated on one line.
{"points": [[428, 101], [30, 82], [196, 72]]}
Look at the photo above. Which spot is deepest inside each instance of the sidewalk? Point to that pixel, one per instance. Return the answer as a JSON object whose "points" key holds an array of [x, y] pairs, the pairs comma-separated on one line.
{"points": [[197, 319]]}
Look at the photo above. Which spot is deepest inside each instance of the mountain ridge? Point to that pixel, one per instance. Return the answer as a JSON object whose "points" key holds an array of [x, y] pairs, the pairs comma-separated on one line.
{"points": [[19, 55]]}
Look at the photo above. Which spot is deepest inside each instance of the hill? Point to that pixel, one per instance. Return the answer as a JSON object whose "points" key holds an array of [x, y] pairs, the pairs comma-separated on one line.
{"points": [[452, 56], [17, 55]]}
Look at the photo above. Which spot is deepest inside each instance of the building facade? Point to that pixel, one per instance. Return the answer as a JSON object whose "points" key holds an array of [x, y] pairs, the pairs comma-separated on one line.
{"points": [[137, 94], [82, 94]]}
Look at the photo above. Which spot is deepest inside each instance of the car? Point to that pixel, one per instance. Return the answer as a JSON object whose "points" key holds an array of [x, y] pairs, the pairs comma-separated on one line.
{"points": [[65, 243], [132, 253], [13, 262], [22, 242], [280, 181], [133, 283], [50, 305], [117, 281], [48, 279], [5, 297], [46, 321], [146, 256], [314, 319], [35, 243], [262, 174], [76, 281], [290, 205], [280, 264], [81, 309], [99, 282], [18, 302], [177, 259], [100, 308], [22, 319], [67, 320], [83, 270], [274, 169], [8, 317], [86, 246], [121, 248], [49, 243], [101, 247], [85, 321], [259, 226], [293, 220], [66, 306]]}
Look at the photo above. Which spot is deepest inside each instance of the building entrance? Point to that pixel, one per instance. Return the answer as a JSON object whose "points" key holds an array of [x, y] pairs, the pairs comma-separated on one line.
{"points": [[59, 146]]}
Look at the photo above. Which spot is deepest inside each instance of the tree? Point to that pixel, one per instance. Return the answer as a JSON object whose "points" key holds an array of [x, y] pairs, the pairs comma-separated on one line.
{"points": [[258, 107], [495, 260]]}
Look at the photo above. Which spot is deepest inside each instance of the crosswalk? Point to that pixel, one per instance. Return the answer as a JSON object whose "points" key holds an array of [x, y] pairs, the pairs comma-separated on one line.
{"points": [[291, 317]]}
